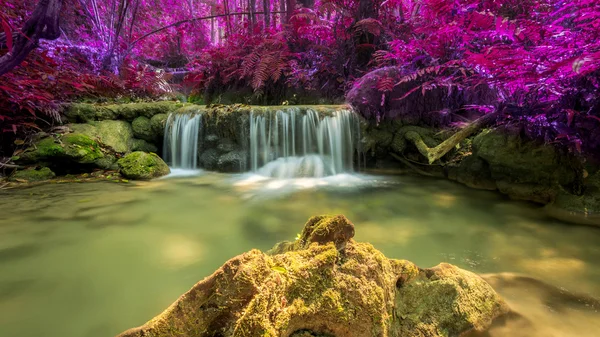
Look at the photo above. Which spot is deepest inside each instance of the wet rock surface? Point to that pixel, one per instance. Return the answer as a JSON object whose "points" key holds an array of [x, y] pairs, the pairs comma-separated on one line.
{"points": [[326, 284]]}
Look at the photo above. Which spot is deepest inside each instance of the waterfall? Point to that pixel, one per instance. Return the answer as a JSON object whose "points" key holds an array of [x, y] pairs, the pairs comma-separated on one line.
{"points": [[289, 144], [181, 140]]}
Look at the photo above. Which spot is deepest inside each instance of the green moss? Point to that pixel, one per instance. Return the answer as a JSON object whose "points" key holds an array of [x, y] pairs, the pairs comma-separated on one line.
{"points": [[117, 135], [32, 175], [142, 129], [142, 145], [318, 289], [73, 147], [158, 123], [86, 112], [142, 166]]}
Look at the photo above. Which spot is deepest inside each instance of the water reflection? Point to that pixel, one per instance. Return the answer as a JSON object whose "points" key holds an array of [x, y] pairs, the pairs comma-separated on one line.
{"points": [[112, 256]]}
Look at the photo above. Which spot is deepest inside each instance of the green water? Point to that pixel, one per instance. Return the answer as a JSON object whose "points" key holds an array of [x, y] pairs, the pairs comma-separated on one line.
{"points": [[91, 260]]}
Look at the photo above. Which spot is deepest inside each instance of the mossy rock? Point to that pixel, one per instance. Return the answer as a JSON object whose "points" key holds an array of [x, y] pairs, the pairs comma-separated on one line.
{"points": [[327, 284], [521, 161], [117, 135], [144, 146], [108, 162], [142, 166], [31, 175], [142, 129], [86, 112], [74, 147], [158, 124]]}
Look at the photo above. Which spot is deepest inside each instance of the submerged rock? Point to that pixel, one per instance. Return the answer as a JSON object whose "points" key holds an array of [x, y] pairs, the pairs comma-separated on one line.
{"points": [[31, 175], [142, 166], [326, 284]]}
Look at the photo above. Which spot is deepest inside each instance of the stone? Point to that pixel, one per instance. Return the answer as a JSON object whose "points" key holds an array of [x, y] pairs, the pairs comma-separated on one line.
{"points": [[158, 124], [117, 135], [326, 284], [473, 172], [233, 162], [73, 147], [142, 145], [142, 166], [142, 129], [32, 175], [87, 112], [521, 161], [209, 159]]}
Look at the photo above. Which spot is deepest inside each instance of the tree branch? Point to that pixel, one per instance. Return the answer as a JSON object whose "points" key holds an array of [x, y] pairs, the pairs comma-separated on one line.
{"points": [[435, 153], [43, 24], [175, 24]]}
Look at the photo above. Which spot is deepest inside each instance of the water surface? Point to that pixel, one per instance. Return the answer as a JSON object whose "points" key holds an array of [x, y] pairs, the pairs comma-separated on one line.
{"points": [[91, 260]]}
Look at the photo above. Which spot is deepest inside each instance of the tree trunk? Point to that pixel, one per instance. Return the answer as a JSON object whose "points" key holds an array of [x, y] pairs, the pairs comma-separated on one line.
{"points": [[267, 15], [290, 7], [43, 24]]}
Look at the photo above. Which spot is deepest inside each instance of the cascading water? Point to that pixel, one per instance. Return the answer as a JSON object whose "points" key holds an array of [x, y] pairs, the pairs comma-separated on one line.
{"points": [[288, 144], [181, 140]]}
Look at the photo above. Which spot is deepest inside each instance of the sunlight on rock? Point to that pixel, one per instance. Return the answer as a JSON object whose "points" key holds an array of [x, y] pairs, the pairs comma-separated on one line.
{"points": [[179, 251]]}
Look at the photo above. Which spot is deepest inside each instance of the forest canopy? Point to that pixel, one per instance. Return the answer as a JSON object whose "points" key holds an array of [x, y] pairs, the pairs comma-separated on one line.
{"points": [[535, 63]]}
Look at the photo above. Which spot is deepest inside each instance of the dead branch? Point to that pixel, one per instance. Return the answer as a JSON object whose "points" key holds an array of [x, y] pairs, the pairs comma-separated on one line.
{"points": [[433, 154]]}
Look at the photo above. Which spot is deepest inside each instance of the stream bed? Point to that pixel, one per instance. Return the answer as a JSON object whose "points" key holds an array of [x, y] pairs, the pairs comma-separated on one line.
{"points": [[93, 259]]}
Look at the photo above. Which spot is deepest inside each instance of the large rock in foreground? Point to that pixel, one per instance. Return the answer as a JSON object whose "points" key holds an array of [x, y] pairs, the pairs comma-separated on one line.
{"points": [[142, 166], [326, 284]]}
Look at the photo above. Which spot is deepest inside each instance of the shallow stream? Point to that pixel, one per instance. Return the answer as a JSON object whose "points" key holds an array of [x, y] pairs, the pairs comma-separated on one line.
{"points": [[93, 259]]}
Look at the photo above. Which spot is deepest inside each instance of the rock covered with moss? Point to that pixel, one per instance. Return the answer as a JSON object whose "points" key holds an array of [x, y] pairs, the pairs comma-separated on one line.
{"points": [[326, 284], [142, 166], [72, 147], [32, 175], [86, 112]]}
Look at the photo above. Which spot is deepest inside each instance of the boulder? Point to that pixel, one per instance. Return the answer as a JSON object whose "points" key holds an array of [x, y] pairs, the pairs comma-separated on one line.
{"points": [[31, 175], [73, 147], [142, 129], [117, 135], [521, 161], [144, 146], [86, 112], [233, 162], [142, 166], [209, 159], [158, 123], [326, 284]]}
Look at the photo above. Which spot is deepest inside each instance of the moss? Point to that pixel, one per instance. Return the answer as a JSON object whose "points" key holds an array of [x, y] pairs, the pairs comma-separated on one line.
{"points": [[81, 148], [142, 145], [158, 123], [74, 147], [521, 161], [317, 289], [86, 112], [142, 166], [142, 129], [117, 135], [31, 175], [445, 301]]}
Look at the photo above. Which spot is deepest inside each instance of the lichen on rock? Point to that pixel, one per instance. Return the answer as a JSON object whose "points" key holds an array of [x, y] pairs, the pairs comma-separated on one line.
{"points": [[142, 166], [326, 284], [117, 135], [142, 129]]}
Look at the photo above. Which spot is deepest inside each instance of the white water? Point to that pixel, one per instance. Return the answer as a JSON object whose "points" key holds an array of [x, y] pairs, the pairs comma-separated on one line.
{"points": [[181, 141], [288, 144]]}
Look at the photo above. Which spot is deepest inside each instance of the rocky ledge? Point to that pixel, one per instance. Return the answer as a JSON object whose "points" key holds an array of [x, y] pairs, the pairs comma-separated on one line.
{"points": [[327, 284]]}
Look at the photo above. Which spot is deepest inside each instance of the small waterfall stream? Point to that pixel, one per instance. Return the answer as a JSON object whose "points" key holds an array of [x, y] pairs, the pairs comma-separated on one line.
{"points": [[182, 133], [278, 143], [288, 144]]}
